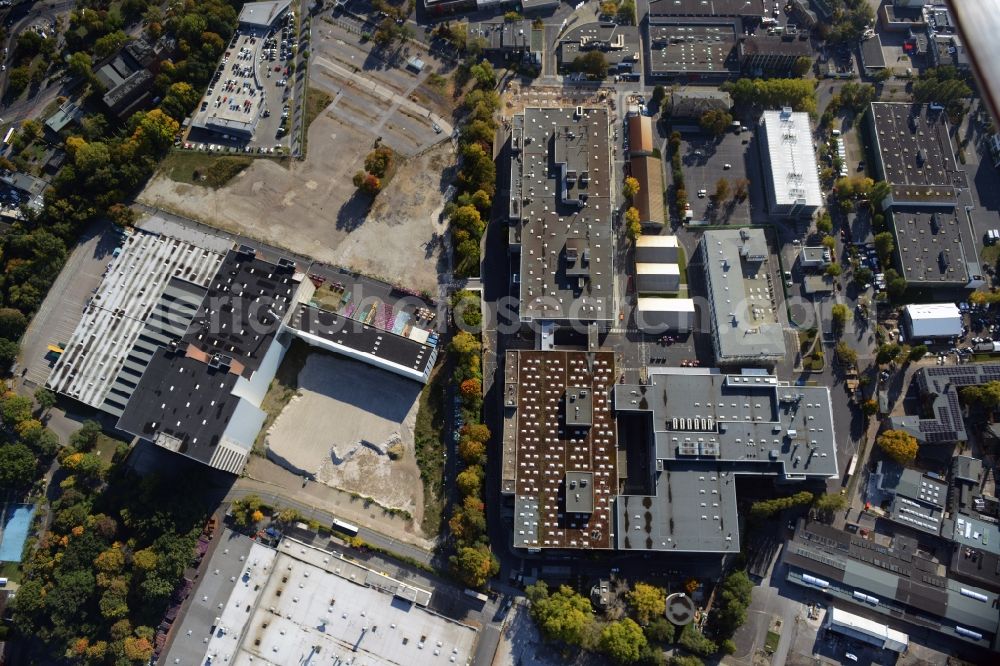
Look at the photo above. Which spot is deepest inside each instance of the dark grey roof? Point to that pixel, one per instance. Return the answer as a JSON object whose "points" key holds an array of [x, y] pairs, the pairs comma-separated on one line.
{"points": [[243, 308], [618, 43], [871, 53], [182, 404], [929, 244], [941, 385], [363, 338], [707, 8], [561, 208], [914, 153], [678, 47], [891, 581], [500, 35]]}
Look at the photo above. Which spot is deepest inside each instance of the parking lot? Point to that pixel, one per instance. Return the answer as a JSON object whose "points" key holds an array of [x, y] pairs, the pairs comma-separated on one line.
{"points": [[250, 92], [707, 160], [62, 308]]}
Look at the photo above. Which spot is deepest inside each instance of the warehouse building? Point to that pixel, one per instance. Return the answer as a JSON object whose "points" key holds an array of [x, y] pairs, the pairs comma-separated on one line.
{"points": [[914, 155], [896, 581], [932, 321], [692, 49], [657, 278], [297, 603], [741, 297], [918, 501], [706, 429], [560, 448], [773, 55], [560, 213], [866, 631], [939, 387], [791, 175], [929, 245], [647, 169], [657, 250], [663, 315]]}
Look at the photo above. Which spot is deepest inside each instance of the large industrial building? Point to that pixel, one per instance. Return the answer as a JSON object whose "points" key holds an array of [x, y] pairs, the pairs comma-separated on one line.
{"points": [[692, 49], [180, 343], [896, 581], [560, 213], [914, 155], [671, 486], [932, 321], [741, 297], [939, 386], [560, 448], [300, 604], [705, 429], [930, 247], [791, 176]]}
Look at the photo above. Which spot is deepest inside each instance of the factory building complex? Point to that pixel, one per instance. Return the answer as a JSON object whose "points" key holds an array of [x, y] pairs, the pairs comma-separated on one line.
{"points": [[180, 342]]}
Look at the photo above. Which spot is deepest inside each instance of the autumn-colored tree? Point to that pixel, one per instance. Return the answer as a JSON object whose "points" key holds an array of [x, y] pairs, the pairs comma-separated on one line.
{"points": [[111, 560], [870, 407], [899, 445], [633, 225], [471, 451], [648, 601], [476, 431], [145, 559], [691, 586], [257, 516], [138, 649], [474, 565], [471, 388], [470, 480], [370, 184], [631, 187], [464, 343]]}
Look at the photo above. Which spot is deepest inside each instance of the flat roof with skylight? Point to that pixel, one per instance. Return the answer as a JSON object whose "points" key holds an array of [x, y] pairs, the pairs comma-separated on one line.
{"points": [[790, 163], [561, 214], [914, 154], [741, 297], [302, 604], [679, 47], [930, 247]]}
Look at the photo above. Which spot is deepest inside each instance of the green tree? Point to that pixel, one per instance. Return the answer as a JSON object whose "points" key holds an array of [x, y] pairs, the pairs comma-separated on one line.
{"points": [[869, 407], [694, 641], [109, 43], [846, 356], [17, 80], [648, 601], [887, 352], [45, 398], [17, 466], [839, 314], [801, 66], [12, 323], [591, 63], [484, 74], [659, 630], [918, 352], [623, 641], [895, 284], [474, 565], [830, 503], [86, 437], [245, 510], [8, 353], [899, 445], [884, 246], [715, 121], [15, 408], [685, 660], [834, 270], [562, 615], [824, 224], [729, 612], [626, 12]]}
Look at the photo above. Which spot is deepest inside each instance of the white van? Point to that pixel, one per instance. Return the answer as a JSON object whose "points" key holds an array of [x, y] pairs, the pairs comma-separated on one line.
{"points": [[835, 132]]}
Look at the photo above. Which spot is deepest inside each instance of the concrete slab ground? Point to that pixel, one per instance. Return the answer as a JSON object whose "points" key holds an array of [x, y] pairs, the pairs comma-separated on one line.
{"points": [[339, 428], [62, 308]]}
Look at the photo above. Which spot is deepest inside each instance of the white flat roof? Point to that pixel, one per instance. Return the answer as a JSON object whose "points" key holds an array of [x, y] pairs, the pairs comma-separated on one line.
{"points": [[793, 158], [262, 14], [894, 640], [934, 311], [657, 269], [298, 605], [656, 241], [118, 311], [651, 304]]}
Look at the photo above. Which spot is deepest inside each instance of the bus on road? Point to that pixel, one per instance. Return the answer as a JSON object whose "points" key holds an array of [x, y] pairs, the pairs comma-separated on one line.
{"points": [[345, 527]]}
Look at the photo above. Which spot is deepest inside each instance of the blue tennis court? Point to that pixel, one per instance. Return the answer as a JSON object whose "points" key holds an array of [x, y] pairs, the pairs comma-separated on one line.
{"points": [[16, 523]]}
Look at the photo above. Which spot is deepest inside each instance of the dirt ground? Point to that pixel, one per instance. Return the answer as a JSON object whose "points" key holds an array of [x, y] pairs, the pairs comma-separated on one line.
{"points": [[311, 206], [340, 426]]}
